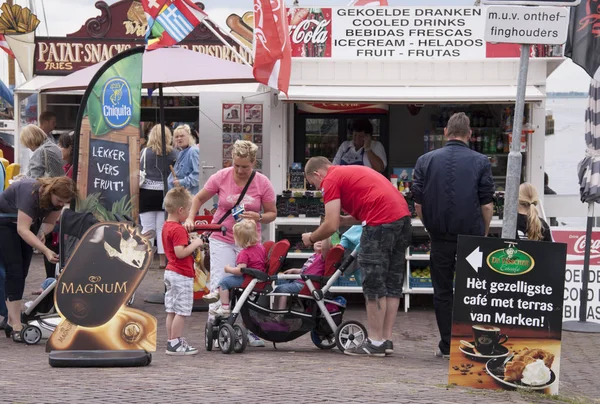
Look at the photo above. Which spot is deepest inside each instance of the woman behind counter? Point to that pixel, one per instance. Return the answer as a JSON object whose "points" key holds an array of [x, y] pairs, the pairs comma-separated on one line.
{"points": [[187, 166]]}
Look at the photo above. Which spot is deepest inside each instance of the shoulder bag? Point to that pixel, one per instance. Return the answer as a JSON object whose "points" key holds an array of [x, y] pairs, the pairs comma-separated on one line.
{"points": [[222, 219]]}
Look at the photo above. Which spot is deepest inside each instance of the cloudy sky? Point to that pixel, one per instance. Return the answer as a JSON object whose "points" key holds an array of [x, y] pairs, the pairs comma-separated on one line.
{"points": [[66, 16]]}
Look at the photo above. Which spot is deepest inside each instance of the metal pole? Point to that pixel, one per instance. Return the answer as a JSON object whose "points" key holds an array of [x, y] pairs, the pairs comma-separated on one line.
{"points": [[586, 264], [161, 105], [513, 171]]}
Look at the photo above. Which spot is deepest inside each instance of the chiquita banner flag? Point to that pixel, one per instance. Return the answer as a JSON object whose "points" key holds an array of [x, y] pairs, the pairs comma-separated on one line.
{"points": [[107, 165]]}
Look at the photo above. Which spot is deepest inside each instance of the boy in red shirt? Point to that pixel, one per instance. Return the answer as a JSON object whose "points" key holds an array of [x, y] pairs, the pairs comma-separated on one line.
{"points": [[179, 273], [371, 200]]}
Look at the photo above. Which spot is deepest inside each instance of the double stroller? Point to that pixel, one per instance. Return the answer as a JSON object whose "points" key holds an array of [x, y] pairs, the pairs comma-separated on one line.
{"points": [[312, 310]]}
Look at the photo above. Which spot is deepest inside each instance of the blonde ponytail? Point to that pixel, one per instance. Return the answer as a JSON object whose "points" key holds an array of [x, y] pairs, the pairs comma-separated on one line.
{"points": [[528, 198]]}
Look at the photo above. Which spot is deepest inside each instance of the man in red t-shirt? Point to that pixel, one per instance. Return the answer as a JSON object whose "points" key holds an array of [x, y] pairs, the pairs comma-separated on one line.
{"points": [[371, 200]]}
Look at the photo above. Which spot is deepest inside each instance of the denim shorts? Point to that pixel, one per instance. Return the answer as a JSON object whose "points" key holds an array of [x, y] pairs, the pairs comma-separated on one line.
{"points": [[289, 287], [382, 258], [230, 282]]}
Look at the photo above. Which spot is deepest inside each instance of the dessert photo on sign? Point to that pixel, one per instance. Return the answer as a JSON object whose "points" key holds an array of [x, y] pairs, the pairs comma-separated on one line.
{"points": [[507, 314]]}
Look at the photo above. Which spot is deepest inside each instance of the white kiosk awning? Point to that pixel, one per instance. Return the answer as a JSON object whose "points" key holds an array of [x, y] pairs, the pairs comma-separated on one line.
{"points": [[436, 94]]}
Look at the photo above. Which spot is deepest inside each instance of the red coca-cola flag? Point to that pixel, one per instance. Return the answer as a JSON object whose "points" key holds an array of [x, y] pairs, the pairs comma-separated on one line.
{"points": [[370, 3], [272, 51]]}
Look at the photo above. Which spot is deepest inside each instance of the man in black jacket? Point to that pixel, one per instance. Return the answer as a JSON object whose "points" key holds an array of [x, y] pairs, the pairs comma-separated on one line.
{"points": [[453, 191]]}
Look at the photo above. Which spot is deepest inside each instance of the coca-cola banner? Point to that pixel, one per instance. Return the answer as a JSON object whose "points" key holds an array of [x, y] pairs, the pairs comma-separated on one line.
{"points": [[393, 33], [575, 240], [341, 108]]}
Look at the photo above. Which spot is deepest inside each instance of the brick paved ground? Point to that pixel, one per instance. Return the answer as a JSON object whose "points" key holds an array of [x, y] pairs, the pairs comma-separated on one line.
{"points": [[296, 372]]}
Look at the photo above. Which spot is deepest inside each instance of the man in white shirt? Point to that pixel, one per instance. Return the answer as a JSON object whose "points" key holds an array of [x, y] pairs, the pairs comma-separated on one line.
{"points": [[362, 149]]}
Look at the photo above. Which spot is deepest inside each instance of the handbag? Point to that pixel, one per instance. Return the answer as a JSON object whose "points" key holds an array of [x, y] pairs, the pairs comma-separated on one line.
{"points": [[143, 172], [222, 219]]}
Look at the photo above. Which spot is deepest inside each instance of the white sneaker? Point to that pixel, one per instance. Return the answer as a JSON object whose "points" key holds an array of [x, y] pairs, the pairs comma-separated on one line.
{"points": [[222, 312], [212, 297], [254, 341], [180, 348]]}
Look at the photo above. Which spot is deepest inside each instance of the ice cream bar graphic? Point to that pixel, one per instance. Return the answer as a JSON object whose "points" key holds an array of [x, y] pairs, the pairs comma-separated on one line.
{"points": [[102, 274]]}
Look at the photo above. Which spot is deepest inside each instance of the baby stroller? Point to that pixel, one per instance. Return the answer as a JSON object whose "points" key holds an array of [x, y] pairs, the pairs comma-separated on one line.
{"points": [[312, 310], [40, 316]]}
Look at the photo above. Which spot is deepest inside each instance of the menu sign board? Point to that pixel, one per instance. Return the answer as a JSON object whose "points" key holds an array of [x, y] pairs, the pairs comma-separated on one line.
{"points": [[507, 318], [390, 33]]}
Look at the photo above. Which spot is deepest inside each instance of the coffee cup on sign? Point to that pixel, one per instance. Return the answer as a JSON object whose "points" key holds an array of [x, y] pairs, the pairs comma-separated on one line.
{"points": [[488, 338]]}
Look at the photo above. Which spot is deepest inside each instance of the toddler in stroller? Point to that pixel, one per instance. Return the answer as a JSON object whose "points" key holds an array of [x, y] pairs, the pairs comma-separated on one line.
{"points": [[313, 309], [314, 265], [253, 255]]}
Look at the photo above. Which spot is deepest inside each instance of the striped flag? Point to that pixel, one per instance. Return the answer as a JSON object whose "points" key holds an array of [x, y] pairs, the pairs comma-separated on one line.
{"points": [[4, 46], [170, 21], [272, 48], [370, 3]]}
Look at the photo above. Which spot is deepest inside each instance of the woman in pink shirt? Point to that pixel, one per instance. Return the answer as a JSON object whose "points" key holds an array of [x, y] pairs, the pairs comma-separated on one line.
{"points": [[227, 184]]}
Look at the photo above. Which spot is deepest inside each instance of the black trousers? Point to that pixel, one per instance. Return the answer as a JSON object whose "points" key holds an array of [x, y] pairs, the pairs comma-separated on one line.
{"points": [[443, 267], [50, 267], [16, 257]]}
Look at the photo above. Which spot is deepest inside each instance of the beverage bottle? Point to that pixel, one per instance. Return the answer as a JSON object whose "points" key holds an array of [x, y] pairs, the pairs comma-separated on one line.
{"points": [[499, 143], [506, 143], [486, 143], [431, 141], [472, 142], [479, 143], [492, 145], [426, 141]]}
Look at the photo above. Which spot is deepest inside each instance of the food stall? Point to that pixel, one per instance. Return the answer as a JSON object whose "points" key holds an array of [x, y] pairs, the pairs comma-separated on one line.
{"points": [[406, 69]]}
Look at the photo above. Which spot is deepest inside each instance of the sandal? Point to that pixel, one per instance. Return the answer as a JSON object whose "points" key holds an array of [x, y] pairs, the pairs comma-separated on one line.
{"points": [[16, 336]]}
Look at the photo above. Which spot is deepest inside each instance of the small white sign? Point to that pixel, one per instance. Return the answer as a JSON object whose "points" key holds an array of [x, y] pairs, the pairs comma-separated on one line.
{"points": [[526, 25]]}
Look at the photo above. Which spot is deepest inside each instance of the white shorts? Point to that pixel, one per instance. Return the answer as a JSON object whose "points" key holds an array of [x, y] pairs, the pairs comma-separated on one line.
{"points": [[179, 297]]}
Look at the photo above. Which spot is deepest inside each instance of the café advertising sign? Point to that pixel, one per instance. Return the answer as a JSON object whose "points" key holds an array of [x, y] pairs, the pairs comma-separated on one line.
{"points": [[575, 240], [507, 318]]}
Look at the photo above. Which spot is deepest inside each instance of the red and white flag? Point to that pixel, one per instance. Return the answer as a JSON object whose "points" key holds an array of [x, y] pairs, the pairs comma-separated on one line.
{"points": [[272, 49], [370, 3], [4, 46]]}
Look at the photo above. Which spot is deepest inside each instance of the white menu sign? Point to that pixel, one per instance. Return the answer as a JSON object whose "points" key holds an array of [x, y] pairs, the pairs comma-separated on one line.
{"points": [[408, 33]]}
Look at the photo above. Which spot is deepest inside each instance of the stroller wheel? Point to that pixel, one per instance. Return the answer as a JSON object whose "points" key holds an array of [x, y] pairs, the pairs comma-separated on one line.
{"points": [[226, 338], [241, 339], [350, 334], [323, 342], [31, 335], [208, 335]]}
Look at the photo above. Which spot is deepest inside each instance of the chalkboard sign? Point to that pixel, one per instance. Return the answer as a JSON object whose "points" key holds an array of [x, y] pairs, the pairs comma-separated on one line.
{"points": [[108, 170], [296, 177]]}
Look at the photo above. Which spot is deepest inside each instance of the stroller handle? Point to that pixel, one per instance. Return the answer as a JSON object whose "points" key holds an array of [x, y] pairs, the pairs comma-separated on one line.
{"points": [[210, 227]]}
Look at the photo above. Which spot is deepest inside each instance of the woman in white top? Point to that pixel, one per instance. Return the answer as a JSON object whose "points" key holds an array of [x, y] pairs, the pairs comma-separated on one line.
{"points": [[362, 150]]}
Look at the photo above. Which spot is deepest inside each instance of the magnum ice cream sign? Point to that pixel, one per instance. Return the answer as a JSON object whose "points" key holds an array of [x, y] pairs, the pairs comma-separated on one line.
{"points": [[99, 279]]}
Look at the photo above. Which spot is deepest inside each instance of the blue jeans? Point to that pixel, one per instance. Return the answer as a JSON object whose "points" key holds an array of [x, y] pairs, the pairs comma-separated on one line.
{"points": [[231, 282], [290, 286], [3, 310]]}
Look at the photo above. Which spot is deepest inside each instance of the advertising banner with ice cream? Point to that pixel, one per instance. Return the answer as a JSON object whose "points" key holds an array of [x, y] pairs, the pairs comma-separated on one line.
{"points": [[507, 318]]}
